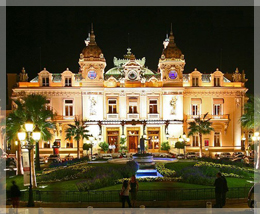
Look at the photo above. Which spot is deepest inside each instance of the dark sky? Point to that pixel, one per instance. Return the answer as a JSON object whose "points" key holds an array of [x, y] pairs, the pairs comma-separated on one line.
{"points": [[205, 35]]}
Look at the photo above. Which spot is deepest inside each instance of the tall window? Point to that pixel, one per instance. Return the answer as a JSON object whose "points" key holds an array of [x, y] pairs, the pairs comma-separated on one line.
{"points": [[68, 107], [217, 139], [68, 81], [218, 106], [152, 106], [195, 109], [195, 140], [133, 106], [216, 81], [48, 105], [69, 144], [217, 109], [46, 145], [195, 81], [112, 107], [45, 81]]}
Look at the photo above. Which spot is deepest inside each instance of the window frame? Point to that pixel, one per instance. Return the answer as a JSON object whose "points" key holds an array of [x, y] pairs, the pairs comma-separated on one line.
{"points": [[195, 143], [44, 82], [68, 104], [217, 137], [112, 99], [156, 112], [196, 82]]}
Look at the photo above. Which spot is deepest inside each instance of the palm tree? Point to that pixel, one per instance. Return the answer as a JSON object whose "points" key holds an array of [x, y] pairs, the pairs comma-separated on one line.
{"points": [[31, 107], [251, 120], [201, 127], [77, 132]]}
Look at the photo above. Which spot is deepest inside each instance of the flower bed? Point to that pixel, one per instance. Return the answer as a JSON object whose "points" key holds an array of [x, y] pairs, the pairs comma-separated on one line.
{"points": [[164, 171]]}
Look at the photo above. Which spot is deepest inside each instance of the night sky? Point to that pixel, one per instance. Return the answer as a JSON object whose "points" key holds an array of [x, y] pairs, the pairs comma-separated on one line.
{"points": [[209, 37]]}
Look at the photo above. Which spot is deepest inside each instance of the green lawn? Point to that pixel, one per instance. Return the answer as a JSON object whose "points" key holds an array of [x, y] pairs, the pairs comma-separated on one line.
{"points": [[177, 166]]}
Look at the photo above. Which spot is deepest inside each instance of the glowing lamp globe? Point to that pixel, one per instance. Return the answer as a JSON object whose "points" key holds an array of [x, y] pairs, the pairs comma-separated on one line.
{"points": [[36, 135], [21, 135], [29, 125]]}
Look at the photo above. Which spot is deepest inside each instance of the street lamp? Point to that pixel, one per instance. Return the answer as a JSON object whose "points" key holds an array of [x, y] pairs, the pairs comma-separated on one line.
{"points": [[91, 138], [36, 135], [256, 137]]}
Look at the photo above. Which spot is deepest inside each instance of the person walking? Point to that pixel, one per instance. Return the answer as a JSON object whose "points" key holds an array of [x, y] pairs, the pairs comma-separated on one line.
{"points": [[218, 190], [225, 189], [15, 193], [125, 193], [134, 188]]}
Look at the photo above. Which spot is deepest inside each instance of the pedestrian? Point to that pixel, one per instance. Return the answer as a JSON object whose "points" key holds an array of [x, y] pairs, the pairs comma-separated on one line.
{"points": [[218, 190], [134, 188], [15, 193], [225, 189], [125, 193]]}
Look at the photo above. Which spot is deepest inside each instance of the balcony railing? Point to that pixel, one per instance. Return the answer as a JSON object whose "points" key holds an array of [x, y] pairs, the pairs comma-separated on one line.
{"points": [[209, 116], [133, 116], [61, 117], [112, 116], [153, 116]]}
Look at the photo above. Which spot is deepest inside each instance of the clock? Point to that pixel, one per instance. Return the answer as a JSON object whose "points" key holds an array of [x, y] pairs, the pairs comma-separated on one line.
{"points": [[92, 75], [132, 75], [173, 74]]}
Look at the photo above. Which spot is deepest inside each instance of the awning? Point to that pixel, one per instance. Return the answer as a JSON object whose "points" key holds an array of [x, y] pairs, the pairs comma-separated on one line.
{"points": [[196, 101], [218, 101]]}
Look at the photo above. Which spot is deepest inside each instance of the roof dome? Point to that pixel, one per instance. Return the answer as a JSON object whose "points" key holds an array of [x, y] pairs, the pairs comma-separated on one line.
{"points": [[92, 50], [172, 51]]}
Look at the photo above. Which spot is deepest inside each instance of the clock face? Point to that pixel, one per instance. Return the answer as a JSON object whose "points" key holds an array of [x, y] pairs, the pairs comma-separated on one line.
{"points": [[173, 74], [132, 75], [92, 75]]}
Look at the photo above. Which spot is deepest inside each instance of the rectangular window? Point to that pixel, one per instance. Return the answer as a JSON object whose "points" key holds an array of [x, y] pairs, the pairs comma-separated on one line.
{"points": [[195, 81], [195, 141], [45, 81], [69, 145], [217, 139], [46, 145], [216, 81], [68, 108], [48, 105], [68, 81], [132, 105], [195, 109], [112, 107], [153, 106], [217, 109]]}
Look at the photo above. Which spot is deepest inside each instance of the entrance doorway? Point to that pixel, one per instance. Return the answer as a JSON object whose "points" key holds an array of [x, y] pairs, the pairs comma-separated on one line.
{"points": [[112, 139], [154, 141], [133, 140]]}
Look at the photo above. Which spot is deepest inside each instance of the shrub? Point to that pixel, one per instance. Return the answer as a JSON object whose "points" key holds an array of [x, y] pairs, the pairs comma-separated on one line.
{"points": [[104, 146], [194, 175], [165, 146], [152, 179]]}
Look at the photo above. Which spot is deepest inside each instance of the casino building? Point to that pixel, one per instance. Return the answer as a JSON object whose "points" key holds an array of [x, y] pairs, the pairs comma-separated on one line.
{"points": [[130, 100]]}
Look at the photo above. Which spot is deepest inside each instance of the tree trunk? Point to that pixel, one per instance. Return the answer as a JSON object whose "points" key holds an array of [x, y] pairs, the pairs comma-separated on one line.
{"points": [[78, 152], [19, 160], [200, 145], [33, 174]]}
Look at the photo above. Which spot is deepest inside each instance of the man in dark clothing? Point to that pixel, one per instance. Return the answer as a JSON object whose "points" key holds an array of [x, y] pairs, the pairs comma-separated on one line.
{"points": [[218, 190], [225, 189], [15, 194]]}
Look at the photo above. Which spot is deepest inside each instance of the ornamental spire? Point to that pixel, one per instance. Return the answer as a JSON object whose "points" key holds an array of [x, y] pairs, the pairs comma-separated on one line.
{"points": [[171, 37], [92, 35]]}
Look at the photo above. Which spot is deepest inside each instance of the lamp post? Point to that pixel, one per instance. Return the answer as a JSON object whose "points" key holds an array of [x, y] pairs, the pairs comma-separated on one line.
{"points": [[91, 138], [36, 135], [184, 139], [256, 138]]}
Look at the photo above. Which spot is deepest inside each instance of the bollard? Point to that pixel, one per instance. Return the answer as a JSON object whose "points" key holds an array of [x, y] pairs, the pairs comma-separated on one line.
{"points": [[40, 211], [142, 209], [208, 205], [90, 209], [11, 210]]}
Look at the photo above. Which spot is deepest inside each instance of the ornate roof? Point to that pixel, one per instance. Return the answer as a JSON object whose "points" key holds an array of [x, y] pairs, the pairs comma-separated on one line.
{"points": [[92, 51]]}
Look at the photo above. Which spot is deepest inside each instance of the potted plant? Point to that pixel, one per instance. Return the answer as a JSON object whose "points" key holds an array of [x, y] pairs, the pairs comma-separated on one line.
{"points": [[104, 146]]}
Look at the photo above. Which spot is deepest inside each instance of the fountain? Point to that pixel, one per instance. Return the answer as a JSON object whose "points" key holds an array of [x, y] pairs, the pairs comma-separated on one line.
{"points": [[146, 165]]}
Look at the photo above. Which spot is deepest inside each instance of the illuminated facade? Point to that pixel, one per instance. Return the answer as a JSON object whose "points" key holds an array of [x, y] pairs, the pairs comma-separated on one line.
{"points": [[130, 100]]}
